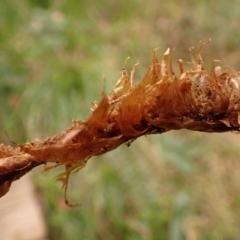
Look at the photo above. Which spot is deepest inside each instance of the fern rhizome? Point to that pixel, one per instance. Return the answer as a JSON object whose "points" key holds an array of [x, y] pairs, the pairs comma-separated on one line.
{"points": [[197, 99]]}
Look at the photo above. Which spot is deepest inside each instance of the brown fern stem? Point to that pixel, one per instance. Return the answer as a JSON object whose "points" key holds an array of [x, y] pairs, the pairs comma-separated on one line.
{"points": [[196, 100]]}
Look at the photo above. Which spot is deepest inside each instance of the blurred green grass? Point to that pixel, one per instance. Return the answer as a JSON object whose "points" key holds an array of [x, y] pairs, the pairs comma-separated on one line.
{"points": [[54, 57]]}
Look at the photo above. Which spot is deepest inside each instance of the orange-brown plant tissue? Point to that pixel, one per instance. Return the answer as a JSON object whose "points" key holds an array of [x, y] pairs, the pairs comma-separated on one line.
{"points": [[196, 99]]}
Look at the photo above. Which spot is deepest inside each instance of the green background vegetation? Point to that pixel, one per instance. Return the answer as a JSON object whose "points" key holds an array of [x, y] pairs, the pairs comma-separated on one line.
{"points": [[54, 56]]}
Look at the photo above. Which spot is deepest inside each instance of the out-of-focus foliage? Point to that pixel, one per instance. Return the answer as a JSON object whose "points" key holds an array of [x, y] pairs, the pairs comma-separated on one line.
{"points": [[53, 59]]}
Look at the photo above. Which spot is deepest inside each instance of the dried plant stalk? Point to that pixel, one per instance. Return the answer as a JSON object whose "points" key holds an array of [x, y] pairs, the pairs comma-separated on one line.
{"points": [[196, 99]]}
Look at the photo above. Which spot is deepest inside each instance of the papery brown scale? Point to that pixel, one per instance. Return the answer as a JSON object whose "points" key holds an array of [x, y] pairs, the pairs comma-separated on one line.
{"points": [[122, 87], [165, 93], [130, 110], [98, 119]]}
